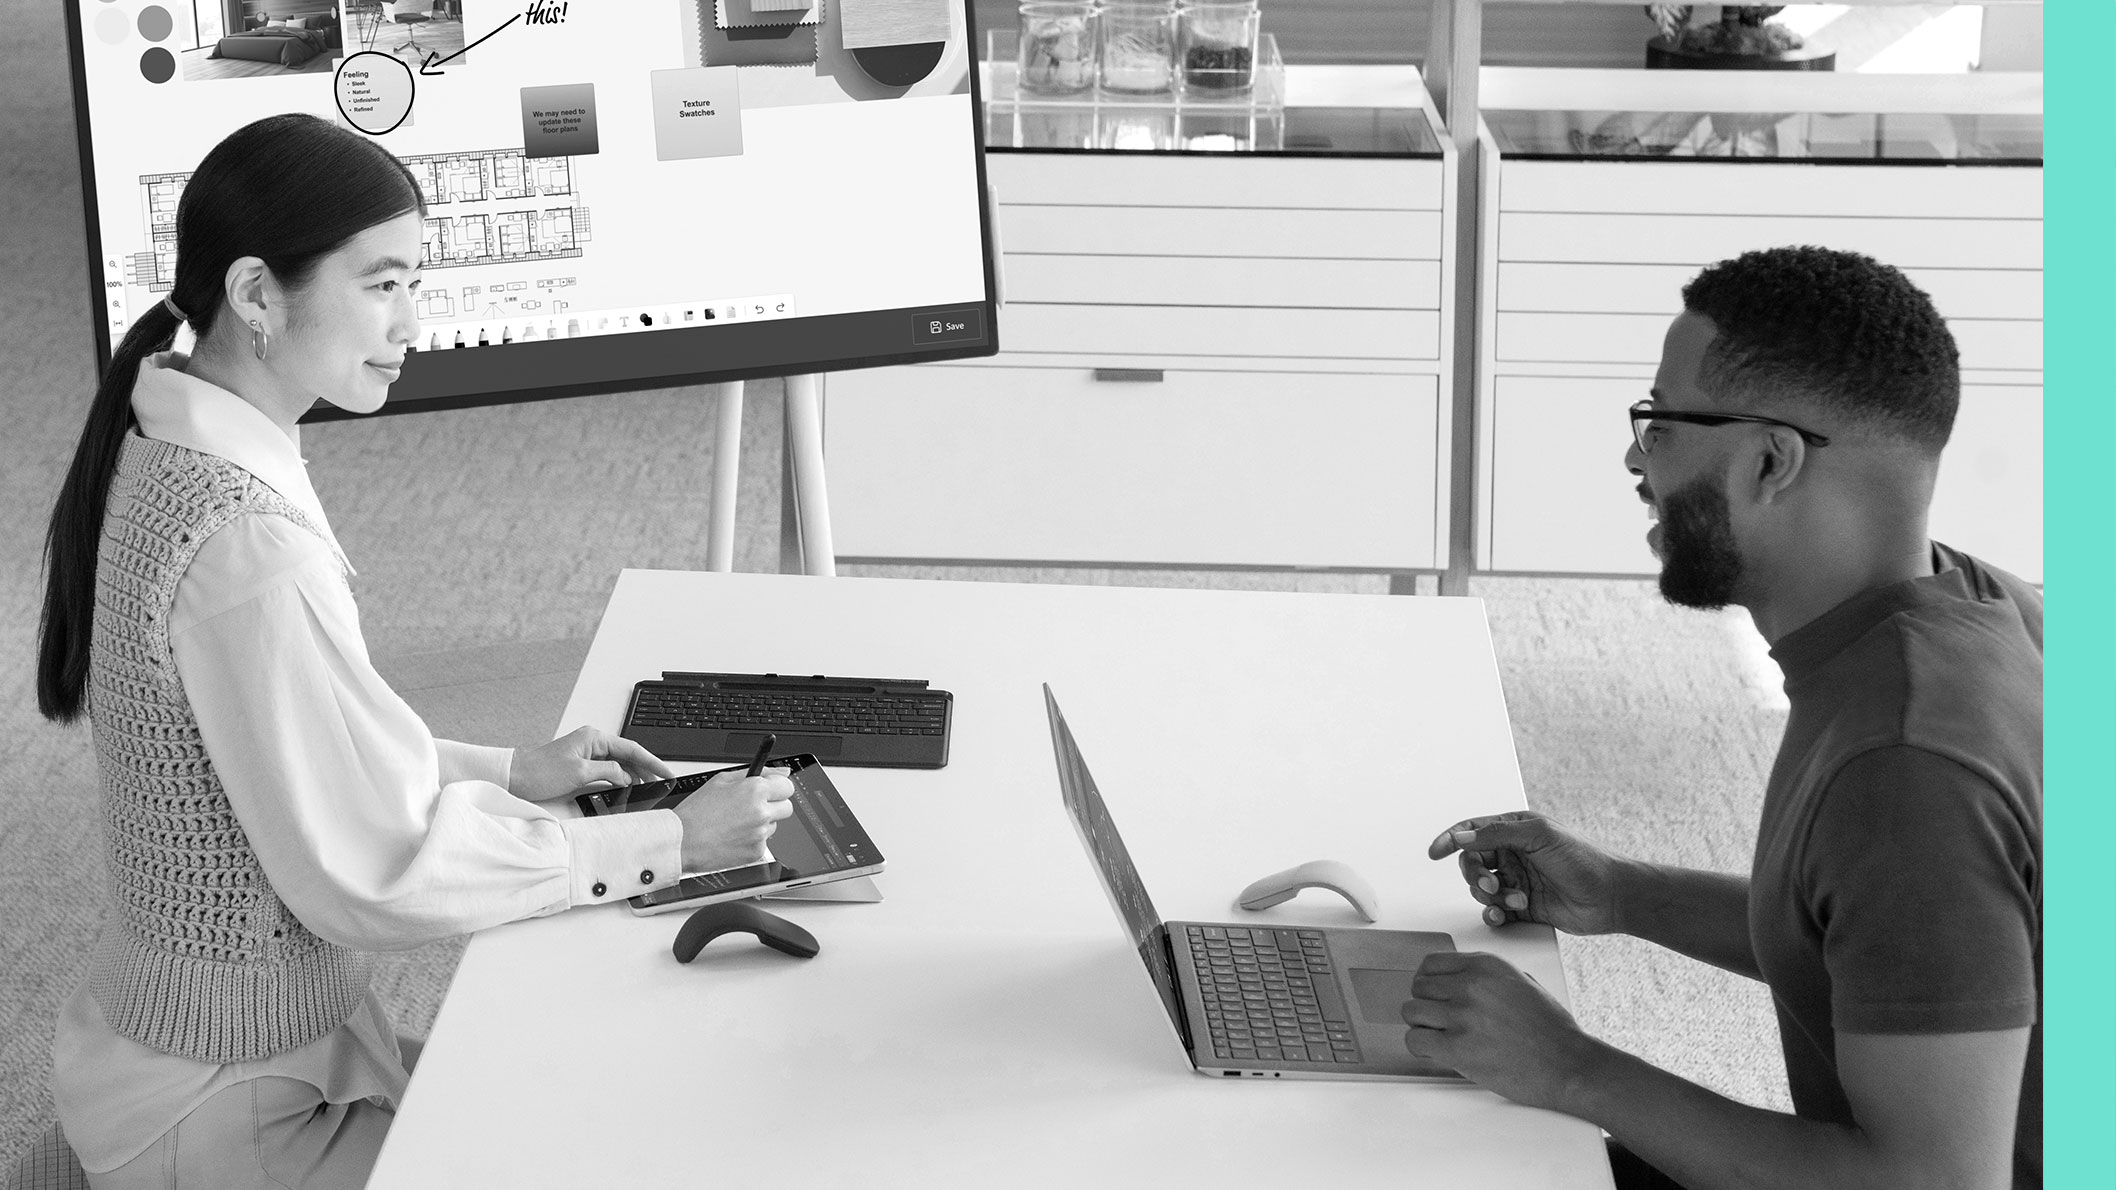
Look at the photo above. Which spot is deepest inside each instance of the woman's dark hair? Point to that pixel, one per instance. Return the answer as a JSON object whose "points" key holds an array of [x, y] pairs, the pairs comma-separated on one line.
{"points": [[286, 189]]}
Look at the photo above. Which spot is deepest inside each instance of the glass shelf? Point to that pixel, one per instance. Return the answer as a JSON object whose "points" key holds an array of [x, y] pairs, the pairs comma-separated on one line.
{"points": [[1887, 137], [1256, 122], [1097, 119]]}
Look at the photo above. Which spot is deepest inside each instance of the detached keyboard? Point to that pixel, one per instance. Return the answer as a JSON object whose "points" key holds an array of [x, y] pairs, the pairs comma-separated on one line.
{"points": [[878, 722], [841, 714]]}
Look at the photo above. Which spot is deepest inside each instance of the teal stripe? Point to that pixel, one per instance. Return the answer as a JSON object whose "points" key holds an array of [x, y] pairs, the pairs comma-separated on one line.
{"points": [[2079, 495]]}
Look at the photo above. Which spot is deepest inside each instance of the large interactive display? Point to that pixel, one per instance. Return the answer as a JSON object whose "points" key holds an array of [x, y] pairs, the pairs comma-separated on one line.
{"points": [[621, 193]]}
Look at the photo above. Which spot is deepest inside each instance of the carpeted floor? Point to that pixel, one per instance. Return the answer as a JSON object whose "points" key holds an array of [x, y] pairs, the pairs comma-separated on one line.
{"points": [[487, 541]]}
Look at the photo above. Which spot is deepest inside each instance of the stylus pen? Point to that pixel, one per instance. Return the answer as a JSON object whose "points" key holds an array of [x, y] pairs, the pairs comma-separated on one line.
{"points": [[756, 767]]}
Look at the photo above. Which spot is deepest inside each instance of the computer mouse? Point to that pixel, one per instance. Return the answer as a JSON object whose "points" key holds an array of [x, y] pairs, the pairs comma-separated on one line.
{"points": [[1316, 873], [731, 917]]}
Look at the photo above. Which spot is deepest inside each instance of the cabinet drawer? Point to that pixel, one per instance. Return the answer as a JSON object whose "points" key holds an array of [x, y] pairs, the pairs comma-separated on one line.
{"points": [[1246, 180], [1207, 231], [1702, 239], [1989, 497], [1223, 331], [1751, 188], [1657, 289], [2013, 344], [1562, 500], [1202, 468], [1212, 281]]}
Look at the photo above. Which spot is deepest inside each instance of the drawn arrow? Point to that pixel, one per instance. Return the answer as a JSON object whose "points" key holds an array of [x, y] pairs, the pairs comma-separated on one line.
{"points": [[434, 58]]}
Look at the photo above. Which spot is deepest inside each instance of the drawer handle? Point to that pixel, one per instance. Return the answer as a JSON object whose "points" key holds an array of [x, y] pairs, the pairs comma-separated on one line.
{"points": [[1131, 375]]}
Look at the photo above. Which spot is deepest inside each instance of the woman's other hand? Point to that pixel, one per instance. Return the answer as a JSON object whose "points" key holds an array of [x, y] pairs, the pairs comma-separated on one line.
{"points": [[583, 758]]}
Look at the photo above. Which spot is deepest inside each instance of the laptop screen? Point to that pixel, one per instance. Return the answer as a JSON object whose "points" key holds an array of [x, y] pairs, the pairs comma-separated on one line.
{"points": [[1127, 893]]}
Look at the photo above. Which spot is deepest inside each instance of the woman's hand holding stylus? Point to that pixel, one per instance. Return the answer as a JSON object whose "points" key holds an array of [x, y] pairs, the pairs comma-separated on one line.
{"points": [[728, 820]]}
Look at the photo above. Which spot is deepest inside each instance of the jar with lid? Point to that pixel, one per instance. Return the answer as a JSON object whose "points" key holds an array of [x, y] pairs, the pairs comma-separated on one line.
{"points": [[1056, 54], [1216, 46], [1137, 47]]}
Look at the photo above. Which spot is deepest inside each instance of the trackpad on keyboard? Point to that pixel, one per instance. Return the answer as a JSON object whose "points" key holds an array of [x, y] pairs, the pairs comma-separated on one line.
{"points": [[1381, 994], [821, 746]]}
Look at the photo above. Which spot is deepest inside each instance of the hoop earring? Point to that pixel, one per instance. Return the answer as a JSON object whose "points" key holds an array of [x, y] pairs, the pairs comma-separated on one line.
{"points": [[260, 342]]}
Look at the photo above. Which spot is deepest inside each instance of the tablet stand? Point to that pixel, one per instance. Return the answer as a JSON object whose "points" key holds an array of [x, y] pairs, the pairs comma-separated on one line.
{"points": [[804, 524]]}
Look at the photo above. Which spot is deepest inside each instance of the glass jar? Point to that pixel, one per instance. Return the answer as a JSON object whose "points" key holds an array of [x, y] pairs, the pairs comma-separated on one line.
{"points": [[1136, 127], [1057, 47], [1216, 46], [1137, 47]]}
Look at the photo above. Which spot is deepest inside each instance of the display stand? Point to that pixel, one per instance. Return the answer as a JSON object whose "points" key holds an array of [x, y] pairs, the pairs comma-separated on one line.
{"points": [[804, 536]]}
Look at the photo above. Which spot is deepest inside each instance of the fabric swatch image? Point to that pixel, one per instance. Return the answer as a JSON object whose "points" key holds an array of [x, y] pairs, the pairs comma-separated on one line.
{"points": [[737, 14], [867, 24], [756, 45]]}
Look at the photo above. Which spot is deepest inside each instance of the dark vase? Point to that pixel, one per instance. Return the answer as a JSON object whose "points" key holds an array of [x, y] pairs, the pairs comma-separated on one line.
{"points": [[1660, 55]]}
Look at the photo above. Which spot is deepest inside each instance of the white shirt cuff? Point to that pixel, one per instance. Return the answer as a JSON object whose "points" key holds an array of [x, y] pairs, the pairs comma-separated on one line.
{"points": [[623, 855], [473, 762]]}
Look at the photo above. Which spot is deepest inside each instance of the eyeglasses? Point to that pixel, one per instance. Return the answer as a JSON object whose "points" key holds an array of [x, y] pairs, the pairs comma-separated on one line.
{"points": [[1644, 414]]}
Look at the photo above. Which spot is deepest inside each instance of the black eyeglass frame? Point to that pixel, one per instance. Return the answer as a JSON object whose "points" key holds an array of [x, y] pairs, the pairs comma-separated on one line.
{"points": [[1644, 411]]}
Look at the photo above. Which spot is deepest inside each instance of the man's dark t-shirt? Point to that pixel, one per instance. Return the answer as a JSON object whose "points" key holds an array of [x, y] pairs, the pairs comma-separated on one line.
{"points": [[1898, 878]]}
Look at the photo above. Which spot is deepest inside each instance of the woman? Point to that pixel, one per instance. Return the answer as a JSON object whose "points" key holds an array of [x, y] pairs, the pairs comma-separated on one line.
{"points": [[273, 809]]}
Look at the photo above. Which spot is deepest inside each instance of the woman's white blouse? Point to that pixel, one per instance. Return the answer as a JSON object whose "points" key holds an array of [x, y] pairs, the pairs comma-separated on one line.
{"points": [[375, 834]]}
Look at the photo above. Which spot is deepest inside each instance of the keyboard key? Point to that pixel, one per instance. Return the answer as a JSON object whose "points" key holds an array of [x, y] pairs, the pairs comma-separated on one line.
{"points": [[1329, 1001]]}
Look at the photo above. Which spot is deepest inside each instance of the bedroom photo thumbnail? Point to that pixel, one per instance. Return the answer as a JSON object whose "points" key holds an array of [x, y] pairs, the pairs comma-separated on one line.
{"points": [[236, 39]]}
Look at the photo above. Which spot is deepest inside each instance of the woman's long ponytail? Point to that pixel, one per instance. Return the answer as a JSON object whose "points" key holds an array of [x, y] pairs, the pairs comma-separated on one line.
{"points": [[77, 521]]}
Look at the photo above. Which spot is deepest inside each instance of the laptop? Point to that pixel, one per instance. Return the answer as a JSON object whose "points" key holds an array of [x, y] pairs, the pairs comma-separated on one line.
{"points": [[1252, 999]]}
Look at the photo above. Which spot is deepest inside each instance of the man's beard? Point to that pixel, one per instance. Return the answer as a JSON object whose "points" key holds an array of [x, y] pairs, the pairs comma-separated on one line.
{"points": [[1700, 564]]}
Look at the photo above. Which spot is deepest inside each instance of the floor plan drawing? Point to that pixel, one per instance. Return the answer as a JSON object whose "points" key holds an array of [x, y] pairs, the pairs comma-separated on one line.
{"points": [[483, 207], [155, 268], [496, 206]]}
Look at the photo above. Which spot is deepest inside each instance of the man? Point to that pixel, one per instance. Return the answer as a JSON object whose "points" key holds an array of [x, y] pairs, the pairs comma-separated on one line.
{"points": [[1895, 903]]}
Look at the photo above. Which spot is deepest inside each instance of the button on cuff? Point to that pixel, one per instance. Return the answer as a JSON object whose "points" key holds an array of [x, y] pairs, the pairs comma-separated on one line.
{"points": [[647, 876], [598, 889]]}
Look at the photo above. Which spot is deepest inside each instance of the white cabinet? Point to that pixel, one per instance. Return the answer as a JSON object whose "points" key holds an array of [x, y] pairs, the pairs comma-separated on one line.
{"points": [[1032, 464], [1206, 360], [1586, 260]]}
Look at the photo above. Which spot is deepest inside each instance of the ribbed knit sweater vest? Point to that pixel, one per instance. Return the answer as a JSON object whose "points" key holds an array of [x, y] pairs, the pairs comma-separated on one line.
{"points": [[198, 956]]}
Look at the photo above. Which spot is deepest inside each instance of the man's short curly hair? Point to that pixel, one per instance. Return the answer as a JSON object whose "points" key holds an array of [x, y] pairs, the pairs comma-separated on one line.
{"points": [[1834, 329]]}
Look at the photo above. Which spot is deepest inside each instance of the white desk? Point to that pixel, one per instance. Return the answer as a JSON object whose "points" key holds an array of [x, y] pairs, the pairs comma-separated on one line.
{"points": [[987, 1024]]}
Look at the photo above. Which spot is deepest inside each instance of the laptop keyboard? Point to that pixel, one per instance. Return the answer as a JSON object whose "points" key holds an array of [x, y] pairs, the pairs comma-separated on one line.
{"points": [[790, 712], [1270, 994]]}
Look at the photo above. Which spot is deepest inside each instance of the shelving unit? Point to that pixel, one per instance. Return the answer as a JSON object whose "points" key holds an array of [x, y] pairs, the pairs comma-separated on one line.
{"points": [[1227, 349], [1231, 337], [1607, 190]]}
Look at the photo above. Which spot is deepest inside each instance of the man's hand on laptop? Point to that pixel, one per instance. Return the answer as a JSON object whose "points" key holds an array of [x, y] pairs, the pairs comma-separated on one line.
{"points": [[1522, 866], [727, 822], [1480, 1015]]}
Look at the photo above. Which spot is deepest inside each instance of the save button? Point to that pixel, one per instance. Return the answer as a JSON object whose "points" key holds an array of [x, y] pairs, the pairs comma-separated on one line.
{"points": [[948, 326]]}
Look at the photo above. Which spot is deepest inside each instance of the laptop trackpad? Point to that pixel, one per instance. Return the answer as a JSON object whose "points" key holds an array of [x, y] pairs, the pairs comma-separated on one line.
{"points": [[821, 746], [1381, 994]]}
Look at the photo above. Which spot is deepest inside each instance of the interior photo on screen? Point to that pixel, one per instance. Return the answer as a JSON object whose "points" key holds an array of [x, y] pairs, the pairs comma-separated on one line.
{"points": [[619, 196]]}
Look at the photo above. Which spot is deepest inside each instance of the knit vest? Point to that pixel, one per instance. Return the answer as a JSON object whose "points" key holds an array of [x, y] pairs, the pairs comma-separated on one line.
{"points": [[198, 956]]}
